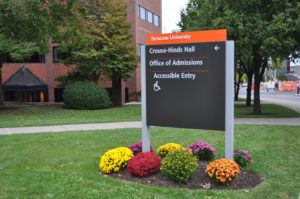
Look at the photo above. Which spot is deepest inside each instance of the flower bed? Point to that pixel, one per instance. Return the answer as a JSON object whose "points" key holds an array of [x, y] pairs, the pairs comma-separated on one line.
{"points": [[200, 181], [179, 165]]}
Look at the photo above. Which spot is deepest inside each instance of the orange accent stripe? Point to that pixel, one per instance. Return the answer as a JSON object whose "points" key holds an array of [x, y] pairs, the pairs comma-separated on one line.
{"points": [[188, 37]]}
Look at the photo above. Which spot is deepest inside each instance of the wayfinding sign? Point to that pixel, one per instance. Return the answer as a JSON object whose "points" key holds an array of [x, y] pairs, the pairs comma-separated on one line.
{"points": [[187, 82], [186, 85]]}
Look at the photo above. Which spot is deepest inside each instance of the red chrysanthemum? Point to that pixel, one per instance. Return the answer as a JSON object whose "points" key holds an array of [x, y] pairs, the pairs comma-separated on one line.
{"points": [[143, 164]]}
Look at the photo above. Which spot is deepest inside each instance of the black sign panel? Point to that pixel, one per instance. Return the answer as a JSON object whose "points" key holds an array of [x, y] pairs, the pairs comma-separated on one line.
{"points": [[186, 85]]}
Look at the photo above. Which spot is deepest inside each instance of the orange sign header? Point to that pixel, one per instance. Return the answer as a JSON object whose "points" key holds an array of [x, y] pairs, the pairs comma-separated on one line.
{"points": [[188, 37]]}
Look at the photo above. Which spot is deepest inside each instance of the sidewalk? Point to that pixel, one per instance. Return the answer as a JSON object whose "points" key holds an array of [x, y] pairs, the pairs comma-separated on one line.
{"points": [[138, 124]]}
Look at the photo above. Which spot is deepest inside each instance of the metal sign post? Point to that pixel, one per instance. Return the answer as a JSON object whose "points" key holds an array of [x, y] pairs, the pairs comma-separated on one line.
{"points": [[229, 104], [145, 128]]}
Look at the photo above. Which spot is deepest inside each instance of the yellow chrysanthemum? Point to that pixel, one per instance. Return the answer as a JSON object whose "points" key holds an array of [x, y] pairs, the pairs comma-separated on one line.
{"points": [[115, 159], [167, 148]]}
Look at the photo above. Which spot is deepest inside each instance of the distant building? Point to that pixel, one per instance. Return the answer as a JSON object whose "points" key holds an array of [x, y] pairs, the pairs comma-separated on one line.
{"points": [[292, 68], [145, 17], [295, 65], [175, 30]]}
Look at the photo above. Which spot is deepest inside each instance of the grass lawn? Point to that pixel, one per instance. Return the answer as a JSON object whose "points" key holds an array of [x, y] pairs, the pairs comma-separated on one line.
{"points": [[65, 165], [19, 116], [243, 100], [268, 111]]}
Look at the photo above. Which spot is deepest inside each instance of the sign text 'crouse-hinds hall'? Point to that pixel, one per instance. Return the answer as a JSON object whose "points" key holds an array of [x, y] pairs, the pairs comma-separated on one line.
{"points": [[185, 80]]}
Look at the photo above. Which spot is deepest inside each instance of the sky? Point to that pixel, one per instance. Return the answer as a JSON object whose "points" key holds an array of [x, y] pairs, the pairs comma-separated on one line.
{"points": [[171, 14]]}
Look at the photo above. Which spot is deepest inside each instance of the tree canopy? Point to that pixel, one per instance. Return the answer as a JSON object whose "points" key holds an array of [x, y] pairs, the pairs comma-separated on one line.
{"points": [[104, 48], [260, 29]]}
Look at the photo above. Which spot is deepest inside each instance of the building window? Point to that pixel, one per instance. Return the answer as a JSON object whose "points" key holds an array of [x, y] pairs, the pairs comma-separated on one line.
{"points": [[142, 13], [35, 58], [26, 95], [156, 20], [58, 56], [149, 16]]}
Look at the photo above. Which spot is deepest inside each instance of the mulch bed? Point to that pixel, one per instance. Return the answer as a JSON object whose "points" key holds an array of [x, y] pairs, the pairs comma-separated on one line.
{"points": [[257, 114], [201, 180]]}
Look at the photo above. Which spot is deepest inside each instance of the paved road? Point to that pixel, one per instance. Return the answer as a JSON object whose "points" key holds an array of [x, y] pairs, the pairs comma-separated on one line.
{"points": [[287, 99]]}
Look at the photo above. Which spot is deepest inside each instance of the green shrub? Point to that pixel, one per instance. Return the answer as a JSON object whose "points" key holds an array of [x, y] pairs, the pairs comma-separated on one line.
{"points": [[86, 95], [179, 165]]}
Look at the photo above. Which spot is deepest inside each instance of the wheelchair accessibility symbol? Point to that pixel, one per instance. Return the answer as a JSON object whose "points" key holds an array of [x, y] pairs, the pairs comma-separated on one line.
{"points": [[156, 87]]}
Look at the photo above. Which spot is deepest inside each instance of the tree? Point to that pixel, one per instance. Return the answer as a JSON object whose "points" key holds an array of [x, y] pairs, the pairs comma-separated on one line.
{"points": [[281, 76], [260, 29], [26, 27], [246, 63], [239, 72], [206, 15], [105, 49]]}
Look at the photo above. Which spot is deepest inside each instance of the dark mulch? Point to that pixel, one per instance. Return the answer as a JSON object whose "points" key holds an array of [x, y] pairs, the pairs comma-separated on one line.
{"points": [[257, 114], [201, 180]]}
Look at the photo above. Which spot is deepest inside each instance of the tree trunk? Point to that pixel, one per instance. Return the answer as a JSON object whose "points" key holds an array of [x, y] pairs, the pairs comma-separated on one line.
{"points": [[256, 107], [259, 71], [235, 86], [2, 104], [95, 77], [236, 93], [237, 83], [249, 73], [248, 101], [118, 94]]}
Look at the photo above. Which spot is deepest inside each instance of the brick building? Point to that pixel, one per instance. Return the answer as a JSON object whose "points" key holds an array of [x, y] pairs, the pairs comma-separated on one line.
{"points": [[145, 18]]}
